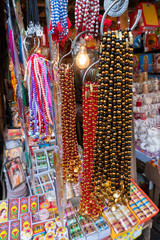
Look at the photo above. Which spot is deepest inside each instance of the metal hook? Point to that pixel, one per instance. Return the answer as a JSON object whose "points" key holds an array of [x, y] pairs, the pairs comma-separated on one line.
{"points": [[105, 14], [59, 64], [101, 31], [35, 50], [137, 19], [73, 45], [84, 76]]}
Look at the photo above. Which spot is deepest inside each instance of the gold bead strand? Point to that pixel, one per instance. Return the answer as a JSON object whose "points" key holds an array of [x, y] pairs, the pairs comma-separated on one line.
{"points": [[119, 105], [99, 132], [106, 135], [122, 163], [127, 152], [114, 122], [109, 123], [130, 108], [100, 148]]}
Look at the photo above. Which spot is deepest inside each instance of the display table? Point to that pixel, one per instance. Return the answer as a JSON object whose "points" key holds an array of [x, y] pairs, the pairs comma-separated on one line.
{"points": [[127, 222], [152, 174]]}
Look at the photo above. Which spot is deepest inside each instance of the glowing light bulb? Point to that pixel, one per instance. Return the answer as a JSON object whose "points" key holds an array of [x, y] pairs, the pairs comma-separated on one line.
{"points": [[82, 59]]}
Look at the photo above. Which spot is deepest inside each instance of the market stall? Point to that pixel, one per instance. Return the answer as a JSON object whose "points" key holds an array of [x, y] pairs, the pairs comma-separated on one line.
{"points": [[54, 187]]}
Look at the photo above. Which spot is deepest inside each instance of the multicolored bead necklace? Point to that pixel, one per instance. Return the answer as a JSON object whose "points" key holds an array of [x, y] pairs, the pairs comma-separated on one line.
{"points": [[40, 102]]}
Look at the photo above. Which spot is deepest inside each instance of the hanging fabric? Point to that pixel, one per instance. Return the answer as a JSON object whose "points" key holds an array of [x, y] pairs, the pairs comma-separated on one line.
{"points": [[60, 23]]}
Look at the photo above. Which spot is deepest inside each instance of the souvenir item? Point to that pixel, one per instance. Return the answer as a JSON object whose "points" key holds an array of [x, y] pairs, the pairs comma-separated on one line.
{"points": [[13, 153], [151, 42], [61, 232], [24, 208], [52, 175], [149, 18], [156, 62], [3, 211], [47, 187], [20, 191], [13, 209], [41, 156], [86, 15], [90, 96], [13, 144], [14, 230], [44, 178], [14, 134], [41, 199], [33, 23], [112, 152], [15, 172], [71, 160], [58, 222], [44, 205], [37, 190], [26, 234], [40, 98], [60, 23], [51, 158], [50, 236], [43, 214], [4, 231], [146, 63], [34, 204], [35, 218], [39, 237], [26, 220], [50, 227], [38, 228], [136, 63]]}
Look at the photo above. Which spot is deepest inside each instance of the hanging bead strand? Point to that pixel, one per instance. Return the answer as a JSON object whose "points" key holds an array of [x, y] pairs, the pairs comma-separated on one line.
{"points": [[71, 161]]}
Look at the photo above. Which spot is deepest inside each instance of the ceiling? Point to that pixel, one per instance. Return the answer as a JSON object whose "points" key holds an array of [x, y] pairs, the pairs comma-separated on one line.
{"points": [[71, 7]]}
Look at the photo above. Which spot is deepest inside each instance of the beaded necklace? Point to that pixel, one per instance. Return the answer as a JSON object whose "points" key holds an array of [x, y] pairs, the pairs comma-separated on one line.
{"points": [[87, 15], [40, 103], [59, 23], [70, 159], [88, 205], [112, 152]]}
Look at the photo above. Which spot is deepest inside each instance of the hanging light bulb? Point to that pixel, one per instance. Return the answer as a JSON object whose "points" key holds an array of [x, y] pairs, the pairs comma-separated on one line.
{"points": [[82, 59]]}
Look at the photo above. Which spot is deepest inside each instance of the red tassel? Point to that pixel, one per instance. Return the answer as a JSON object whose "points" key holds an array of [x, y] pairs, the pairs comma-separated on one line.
{"points": [[50, 25], [69, 23], [63, 40], [100, 18], [59, 27], [55, 36], [107, 22]]}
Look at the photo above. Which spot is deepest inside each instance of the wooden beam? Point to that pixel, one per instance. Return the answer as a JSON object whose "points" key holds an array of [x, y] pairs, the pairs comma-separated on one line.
{"points": [[123, 26], [124, 20], [41, 4]]}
